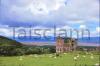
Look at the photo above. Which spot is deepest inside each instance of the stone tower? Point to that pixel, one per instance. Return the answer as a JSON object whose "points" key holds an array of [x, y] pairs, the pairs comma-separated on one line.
{"points": [[65, 44], [59, 45]]}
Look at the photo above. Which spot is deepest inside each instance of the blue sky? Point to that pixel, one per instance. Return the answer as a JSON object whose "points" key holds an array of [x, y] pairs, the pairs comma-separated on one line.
{"points": [[74, 14]]}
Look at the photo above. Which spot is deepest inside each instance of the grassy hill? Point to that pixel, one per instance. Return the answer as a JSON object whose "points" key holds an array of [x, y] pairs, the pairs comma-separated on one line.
{"points": [[4, 41], [9, 47]]}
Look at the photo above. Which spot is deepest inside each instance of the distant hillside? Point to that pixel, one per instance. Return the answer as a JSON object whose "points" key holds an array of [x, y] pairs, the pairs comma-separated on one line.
{"points": [[4, 41]]}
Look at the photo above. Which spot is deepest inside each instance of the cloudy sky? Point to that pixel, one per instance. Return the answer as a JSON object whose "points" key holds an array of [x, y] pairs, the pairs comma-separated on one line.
{"points": [[75, 14]]}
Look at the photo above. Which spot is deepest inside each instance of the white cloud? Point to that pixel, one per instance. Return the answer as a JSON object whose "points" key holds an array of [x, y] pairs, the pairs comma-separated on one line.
{"points": [[45, 6], [96, 32], [82, 27], [76, 22], [50, 12], [9, 31], [3, 26], [54, 11], [6, 32], [98, 29]]}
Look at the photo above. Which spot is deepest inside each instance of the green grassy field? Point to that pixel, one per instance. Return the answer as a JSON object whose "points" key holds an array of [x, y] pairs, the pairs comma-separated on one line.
{"points": [[67, 59]]}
